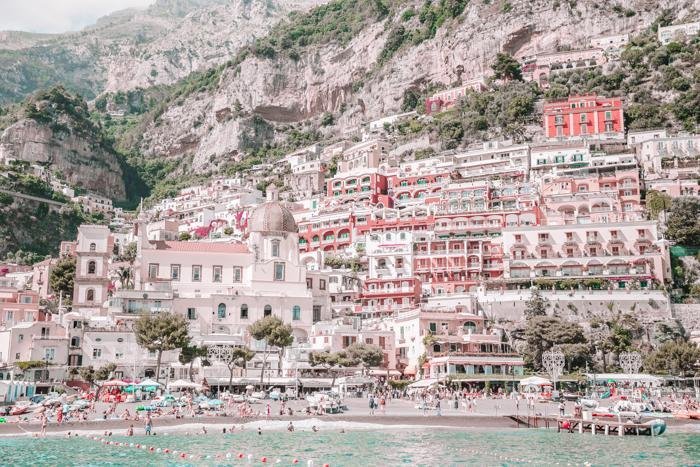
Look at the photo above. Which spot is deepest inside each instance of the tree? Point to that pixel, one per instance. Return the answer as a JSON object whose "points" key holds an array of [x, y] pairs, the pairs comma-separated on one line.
{"points": [[536, 305], [275, 333], [506, 68], [129, 253], [673, 331], [185, 236], [160, 333], [674, 358], [683, 223], [190, 353], [411, 97], [656, 202], [332, 361], [125, 276], [327, 119], [544, 332], [62, 277], [366, 354], [232, 357], [105, 371]]}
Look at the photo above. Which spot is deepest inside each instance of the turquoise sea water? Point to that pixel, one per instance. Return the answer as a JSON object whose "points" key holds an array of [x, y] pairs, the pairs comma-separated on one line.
{"points": [[425, 446]]}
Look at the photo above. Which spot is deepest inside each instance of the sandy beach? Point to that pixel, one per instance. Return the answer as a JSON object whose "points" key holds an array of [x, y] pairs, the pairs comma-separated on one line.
{"points": [[400, 413]]}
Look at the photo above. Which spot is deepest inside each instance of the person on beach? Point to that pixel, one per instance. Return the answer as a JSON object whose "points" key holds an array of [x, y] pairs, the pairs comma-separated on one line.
{"points": [[149, 424], [562, 408], [269, 410], [371, 404], [290, 427], [382, 405], [437, 407], [314, 429], [59, 415], [44, 421], [130, 431]]}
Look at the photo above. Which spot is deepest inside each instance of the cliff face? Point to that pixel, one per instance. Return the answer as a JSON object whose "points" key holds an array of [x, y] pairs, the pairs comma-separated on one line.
{"points": [[355, 84], [136, 48], [77, 160], [54, 130]]}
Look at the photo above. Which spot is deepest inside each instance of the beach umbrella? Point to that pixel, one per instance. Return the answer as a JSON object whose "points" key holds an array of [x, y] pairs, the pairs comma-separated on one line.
{"points": [[115, 383], [149, 383]]}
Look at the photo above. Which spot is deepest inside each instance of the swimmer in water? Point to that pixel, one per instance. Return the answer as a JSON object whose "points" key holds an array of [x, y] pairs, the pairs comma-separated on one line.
{"points": [[259, 431], [314, 429]]}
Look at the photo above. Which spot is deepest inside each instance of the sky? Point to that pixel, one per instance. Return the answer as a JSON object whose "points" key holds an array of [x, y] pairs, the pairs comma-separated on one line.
{"points": [[53, 16]]}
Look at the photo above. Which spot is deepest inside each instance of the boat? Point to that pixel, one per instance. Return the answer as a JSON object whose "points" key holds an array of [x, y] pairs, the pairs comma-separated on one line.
{"points": [[656, 427]]}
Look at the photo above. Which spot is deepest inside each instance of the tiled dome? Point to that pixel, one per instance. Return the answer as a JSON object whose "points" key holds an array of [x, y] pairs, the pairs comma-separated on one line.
{"points": [[272, 217]]}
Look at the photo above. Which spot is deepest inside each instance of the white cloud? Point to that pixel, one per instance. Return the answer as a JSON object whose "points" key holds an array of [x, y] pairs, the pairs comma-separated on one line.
{"points": [[52, 16]]}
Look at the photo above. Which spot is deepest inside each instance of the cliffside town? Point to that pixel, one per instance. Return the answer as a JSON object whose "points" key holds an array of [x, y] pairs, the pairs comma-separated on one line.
{"points": [[447, 191]]}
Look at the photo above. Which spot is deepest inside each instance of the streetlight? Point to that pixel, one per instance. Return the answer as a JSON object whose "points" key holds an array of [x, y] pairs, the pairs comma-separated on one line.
{"points": [[553, 362], [630, 362]]}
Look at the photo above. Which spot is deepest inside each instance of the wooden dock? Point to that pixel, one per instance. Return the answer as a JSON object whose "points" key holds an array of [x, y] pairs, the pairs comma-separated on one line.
{"points": [[578, 425]]}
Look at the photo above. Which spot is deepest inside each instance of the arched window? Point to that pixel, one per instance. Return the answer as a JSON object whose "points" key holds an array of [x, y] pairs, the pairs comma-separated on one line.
{"points": [[92, 267], [296, 313], [469, 327], [93, 247], [90, 295], [244, 311], [221, 311], [275, 248], [267, 310], [388, 236]]}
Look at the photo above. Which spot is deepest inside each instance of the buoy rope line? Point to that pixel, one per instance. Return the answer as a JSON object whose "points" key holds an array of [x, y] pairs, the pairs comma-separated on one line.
{"points": [[229, 455], [514, 459]]}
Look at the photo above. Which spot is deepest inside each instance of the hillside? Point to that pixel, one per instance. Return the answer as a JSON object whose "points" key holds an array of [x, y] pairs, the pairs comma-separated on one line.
{"points": [[53, 130], [355, 59], [136, 48]]}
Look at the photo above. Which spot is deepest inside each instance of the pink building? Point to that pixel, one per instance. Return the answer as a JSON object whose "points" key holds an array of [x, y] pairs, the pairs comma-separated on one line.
{"points": [[19, 306], [447, 99], [338, 335], [601, 198], [619, 253], [584, 117]]}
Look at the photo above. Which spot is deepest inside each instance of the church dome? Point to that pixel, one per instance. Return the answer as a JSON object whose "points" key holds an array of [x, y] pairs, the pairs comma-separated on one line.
{"points": [[272, 217]]}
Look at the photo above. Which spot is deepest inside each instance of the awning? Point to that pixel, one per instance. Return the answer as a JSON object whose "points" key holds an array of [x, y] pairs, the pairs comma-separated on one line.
{"points": [[424, 383], [535, 381]]}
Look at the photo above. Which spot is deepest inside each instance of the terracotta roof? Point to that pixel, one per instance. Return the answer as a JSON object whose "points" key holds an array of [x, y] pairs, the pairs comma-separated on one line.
{"points": [[203, 247]]}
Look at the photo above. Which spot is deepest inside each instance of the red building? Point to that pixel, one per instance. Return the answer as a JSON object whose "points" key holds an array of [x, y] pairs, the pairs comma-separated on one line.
{"points": [[584, 117], [353, 187], [386, 296]]}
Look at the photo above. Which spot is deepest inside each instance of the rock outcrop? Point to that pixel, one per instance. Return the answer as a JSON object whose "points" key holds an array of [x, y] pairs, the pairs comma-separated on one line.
{"points": [[77, 160]]}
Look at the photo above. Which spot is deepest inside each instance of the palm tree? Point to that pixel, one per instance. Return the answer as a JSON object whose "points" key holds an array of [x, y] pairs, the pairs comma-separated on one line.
{"points": [[188, 354], [126, 276]]}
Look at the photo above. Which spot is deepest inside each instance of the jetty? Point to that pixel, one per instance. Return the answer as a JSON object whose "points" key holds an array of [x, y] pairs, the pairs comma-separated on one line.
{"points": [[593, 426]]}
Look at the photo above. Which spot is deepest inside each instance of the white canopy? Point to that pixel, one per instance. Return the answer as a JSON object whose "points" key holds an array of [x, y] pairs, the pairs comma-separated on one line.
{"points": [[182, 384], [624, 377], [535, 381], [148, 383], [423, 383]]}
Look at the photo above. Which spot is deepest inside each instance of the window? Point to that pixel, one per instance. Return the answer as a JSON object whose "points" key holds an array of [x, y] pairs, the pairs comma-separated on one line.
{"points": [[316, 313], [196, 273], [221, 311], [93, 247], [191, 313], [152, 271], [237, 274], [296, 313], [267, 311], [175, 272], [20, 337], [609, 127], [49, 353], [541, 161], [216, 273], [559, 159], [90, 295], [583, 118], [275, 248], [92, 267], [279, 271], [322, 284], [96, 353], [584, 129], [244, 311], [75, 342], [309, 283]]}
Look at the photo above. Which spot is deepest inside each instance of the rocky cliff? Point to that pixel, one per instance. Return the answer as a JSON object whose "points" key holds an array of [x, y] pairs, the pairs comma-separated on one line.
{"points": [[136, 48], [364, 78], [54, 131]]}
